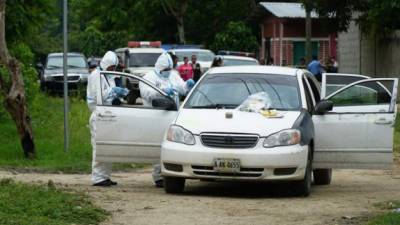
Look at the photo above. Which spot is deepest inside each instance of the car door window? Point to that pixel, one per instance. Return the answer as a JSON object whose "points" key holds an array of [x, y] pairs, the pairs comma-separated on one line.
{"points": [[314, 85], [332, 82], [137, 91], [360, 95]]}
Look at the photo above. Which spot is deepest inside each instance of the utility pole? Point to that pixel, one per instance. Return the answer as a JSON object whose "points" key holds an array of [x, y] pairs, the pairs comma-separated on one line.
{"points": [[65, 71]]}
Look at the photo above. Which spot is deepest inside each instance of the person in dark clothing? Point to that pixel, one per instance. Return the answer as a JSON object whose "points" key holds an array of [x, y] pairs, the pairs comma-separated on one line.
{"points": [[196, 68], [217, 62]]}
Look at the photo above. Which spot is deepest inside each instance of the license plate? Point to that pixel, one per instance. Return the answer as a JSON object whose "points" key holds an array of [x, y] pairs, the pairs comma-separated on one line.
{"points": [[227, 165]]}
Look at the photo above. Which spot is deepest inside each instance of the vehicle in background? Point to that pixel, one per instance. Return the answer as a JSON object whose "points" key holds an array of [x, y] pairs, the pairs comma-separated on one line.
{"points": [[168, 47], [94, 61], [236, 53], [204, 56], [140, 57], [52, 76], [230, 60]]}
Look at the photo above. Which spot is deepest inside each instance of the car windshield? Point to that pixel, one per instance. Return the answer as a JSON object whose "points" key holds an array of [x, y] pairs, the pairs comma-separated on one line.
{"points": [[56, 62], [143, 59], [230, 90], [204, 56], [239, 62]]}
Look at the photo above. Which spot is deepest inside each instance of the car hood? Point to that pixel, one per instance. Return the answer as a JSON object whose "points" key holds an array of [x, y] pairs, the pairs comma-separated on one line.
{"points": [[140, 71], [213, 120], [70, 71]]}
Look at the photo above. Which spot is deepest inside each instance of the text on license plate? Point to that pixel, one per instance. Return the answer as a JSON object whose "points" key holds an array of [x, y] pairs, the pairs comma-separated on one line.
{"points": [[227, 165]]}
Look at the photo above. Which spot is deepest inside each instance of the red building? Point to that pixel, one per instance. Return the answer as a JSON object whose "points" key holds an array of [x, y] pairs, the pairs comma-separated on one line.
{"points": [[282, 28]]}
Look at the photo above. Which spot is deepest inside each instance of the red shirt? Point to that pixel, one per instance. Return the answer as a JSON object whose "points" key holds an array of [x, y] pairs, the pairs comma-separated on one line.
{"points": [[186, 71]]}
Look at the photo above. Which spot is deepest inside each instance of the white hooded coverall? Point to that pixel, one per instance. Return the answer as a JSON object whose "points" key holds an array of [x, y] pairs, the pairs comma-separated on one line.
{"points": [[173, 81], [100, 171]]}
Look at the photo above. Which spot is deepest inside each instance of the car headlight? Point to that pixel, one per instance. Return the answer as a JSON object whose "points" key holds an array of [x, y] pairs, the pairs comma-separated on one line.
{"points": [[180, 135], [282, 138]]}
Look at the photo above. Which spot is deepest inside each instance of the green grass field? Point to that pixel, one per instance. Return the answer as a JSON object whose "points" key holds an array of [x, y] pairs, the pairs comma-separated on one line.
{"points": [[23, 204]]}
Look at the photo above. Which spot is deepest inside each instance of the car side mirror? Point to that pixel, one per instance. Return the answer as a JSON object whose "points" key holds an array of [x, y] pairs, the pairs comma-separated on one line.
{"points": [[164, 103], [127, 71], [323, 106]]}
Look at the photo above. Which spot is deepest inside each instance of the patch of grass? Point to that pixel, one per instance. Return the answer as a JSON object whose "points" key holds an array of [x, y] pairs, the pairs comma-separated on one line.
{"points": [[48, 126], [396, 138], [388, 218], [23, 204]]}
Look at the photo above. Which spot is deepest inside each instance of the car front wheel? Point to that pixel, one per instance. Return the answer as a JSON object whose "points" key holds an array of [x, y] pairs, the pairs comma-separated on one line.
{"points": [[303, 187], [322, 176], [174, 185]]}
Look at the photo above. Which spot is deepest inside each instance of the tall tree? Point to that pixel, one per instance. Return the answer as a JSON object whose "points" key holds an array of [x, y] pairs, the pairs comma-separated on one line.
{"points": [[177, 9], [12, 90]]}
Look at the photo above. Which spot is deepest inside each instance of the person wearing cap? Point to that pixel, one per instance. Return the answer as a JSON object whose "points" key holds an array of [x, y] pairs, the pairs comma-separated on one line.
{"points": [[101, 171], [169, 81]]}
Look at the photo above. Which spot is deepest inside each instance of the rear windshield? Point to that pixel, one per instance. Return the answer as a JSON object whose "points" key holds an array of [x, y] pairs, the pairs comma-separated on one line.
{"points": [[230, 90], [239, 62], [201, 56], [143, 59]]}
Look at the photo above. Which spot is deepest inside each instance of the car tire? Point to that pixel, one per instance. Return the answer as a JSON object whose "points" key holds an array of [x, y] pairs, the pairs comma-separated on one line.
{"points": [[174, 185], [322, 176], [303, 187]]}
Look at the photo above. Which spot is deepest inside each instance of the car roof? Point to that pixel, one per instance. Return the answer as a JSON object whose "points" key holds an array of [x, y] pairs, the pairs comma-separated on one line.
{"points": [[237, 57], [140, 50], [190, 50], [255, 69], [56, 54]]}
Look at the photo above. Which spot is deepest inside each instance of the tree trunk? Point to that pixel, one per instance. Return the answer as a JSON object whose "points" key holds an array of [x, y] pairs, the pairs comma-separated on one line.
{"points": [[308, 34], [14, 92], [181, 30]]}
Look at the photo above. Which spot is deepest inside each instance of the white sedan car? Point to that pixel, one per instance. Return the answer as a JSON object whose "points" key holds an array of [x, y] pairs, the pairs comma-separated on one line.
{"points": [[306, 129]]}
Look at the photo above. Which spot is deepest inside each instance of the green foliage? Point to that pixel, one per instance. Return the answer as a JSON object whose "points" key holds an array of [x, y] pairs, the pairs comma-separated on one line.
{"points": [[235, 37], [389, 218], [23, 204], [25, 18], [380, 18]]}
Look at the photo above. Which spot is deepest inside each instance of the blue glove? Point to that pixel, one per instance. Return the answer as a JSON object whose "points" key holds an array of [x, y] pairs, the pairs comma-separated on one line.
{"points": [[120, 92], [169, 91], [190, 83]]}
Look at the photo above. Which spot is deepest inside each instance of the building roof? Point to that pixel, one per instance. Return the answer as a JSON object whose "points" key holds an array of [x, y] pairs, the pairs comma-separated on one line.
{"points": [[287, 10]]}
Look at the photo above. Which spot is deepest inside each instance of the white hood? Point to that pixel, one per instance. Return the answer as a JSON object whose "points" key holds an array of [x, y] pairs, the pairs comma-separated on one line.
{"points": [[213, 120], [109, 59]]}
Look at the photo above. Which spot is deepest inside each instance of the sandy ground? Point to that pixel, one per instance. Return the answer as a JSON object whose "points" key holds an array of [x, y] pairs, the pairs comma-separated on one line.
{"points": [[348, 200]]}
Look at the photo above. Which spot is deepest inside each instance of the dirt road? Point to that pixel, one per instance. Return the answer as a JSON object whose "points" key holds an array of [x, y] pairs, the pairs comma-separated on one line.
{"points": [[348, 200]]}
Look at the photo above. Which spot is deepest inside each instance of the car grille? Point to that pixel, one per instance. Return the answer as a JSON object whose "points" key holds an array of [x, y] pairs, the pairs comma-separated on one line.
{"points": [[70, 78], [244, 172], [229, 140]]}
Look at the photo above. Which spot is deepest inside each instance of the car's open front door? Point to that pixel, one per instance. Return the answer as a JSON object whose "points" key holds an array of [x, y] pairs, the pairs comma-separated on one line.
{"points": [[358, 132], [129, 131]]}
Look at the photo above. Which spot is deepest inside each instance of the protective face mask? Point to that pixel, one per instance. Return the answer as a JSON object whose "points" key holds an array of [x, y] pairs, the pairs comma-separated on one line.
{"points": [[165, 74]]}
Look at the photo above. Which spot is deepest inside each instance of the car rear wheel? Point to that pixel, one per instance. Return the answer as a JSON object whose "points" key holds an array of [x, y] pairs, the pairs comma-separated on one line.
{"points": [[303, 187], [322, 176], [174, 185]]}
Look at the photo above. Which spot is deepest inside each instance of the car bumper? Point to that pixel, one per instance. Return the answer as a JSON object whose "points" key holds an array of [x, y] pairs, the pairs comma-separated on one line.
{"points": [[258, 163]]}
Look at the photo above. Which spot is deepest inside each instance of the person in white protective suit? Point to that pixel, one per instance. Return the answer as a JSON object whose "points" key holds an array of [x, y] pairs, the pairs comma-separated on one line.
{"points": [[101, 171], [168, 80]]}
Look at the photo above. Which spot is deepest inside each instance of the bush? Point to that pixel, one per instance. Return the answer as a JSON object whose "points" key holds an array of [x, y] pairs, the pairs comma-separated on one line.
{"points": [[235, 37]]}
